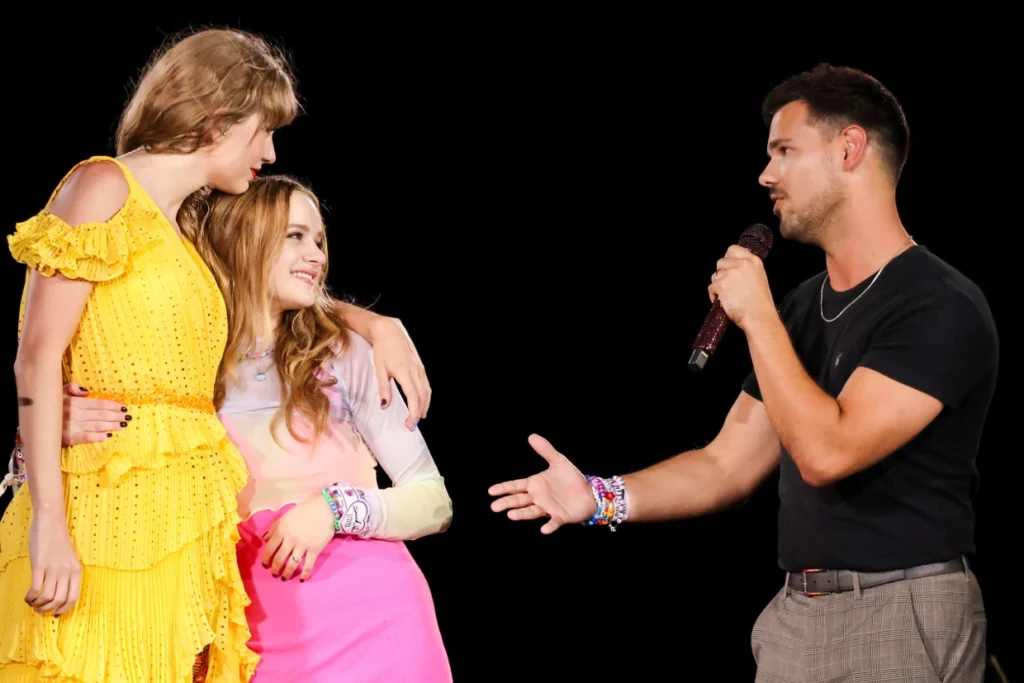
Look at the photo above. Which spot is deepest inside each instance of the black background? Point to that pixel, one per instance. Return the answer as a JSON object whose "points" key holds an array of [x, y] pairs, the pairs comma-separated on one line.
{"points": [[542, 201]]}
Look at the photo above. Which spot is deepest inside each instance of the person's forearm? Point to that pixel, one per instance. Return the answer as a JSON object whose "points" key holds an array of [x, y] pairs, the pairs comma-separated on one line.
{"points": [[359, 319], [413, 510], [806, 419], [688, 485], [40, 411], [400, 513]]}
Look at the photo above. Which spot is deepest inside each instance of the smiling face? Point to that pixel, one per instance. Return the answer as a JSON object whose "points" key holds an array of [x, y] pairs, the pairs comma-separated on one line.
{"points": [[803, 175], [296, 274]]}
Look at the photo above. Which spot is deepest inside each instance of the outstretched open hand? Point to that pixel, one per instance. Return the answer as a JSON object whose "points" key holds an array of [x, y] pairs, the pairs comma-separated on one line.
{"points": [[560, 492]]}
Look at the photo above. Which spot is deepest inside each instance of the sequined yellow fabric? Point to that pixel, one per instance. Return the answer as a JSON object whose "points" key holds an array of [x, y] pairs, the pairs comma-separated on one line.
{"points": [[153, 510]]}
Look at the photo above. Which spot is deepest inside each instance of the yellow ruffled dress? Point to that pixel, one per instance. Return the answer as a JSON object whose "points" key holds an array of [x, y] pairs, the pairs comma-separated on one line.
{"points": [[152, 511]]}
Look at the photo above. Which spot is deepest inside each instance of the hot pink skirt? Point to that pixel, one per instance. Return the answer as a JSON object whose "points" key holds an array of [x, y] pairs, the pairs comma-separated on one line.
{"points": [[365, 614]]}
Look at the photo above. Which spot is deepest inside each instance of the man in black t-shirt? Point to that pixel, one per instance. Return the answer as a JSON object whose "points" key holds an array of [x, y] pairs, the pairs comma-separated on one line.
{"points": [[886, 502], [870, 387]]}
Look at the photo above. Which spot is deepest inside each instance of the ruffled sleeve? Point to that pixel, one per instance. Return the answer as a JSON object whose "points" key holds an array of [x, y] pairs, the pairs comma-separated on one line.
{"points": [[91, 251]]}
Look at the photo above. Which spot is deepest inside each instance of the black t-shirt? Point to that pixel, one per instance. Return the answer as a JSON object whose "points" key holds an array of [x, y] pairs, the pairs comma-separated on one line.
{"points": [[925, 325]]}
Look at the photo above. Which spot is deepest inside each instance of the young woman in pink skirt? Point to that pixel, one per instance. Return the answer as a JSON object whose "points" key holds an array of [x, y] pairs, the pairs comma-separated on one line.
{"points": [[335, 594]]}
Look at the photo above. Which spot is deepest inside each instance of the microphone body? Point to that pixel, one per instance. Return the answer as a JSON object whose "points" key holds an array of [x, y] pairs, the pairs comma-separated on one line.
{"points": [[757, 239]]}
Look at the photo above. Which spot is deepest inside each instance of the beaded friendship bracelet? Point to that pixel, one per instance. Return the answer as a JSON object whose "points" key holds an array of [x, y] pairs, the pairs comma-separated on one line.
{"points": [[16, 474], [353, 514], [612, 503]]}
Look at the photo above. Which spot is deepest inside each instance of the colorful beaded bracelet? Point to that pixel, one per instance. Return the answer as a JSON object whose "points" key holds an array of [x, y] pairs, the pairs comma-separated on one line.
{"points": [[334, 510], [610, 500], [353, 514]]}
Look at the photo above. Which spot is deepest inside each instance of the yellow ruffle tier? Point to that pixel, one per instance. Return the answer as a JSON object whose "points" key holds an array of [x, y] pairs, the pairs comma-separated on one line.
{"points": [[176, 573], [153, 510]]}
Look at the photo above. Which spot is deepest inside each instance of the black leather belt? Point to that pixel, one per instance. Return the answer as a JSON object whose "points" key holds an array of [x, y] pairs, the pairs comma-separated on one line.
{"points": [[826, 581]]}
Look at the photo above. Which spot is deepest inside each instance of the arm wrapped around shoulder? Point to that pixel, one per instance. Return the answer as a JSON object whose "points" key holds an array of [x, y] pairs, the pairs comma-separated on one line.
{"points": [[92, 228]]}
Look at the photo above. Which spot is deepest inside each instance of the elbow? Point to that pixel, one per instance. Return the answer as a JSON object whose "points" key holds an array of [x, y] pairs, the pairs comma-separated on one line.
{"points": [[29, 364], [817, 477], [820, 467], [25, 364]]}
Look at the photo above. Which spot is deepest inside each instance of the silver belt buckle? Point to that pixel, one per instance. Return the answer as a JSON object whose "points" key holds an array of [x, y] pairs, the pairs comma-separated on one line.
{"points": [[803, 576]]}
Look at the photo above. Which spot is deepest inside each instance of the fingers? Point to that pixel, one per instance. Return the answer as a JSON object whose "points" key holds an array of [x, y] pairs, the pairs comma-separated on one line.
{"points": [[529, 512], [515, 486], [516, 500], [281, 558], [272, 544], [94, 409], [73, 389], [422, 389], [78, 398], [60, 596], [384, 385], [551, 526], [307, 565], [295, 557], [417, 390], [87, 437], [35, 591], [412, 392], [738, 252], [91, 409], [101, 427], [74, 592], [425, 383], [544, 448], [712, 292]]}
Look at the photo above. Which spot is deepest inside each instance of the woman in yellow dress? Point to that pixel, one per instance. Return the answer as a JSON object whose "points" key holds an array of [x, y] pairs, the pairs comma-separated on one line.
{"points": [[117, 559]]}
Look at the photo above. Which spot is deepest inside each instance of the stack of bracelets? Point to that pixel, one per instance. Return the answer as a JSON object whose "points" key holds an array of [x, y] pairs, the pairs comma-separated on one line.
{"points": [[353, 513], [612, 505], [16, 475]]}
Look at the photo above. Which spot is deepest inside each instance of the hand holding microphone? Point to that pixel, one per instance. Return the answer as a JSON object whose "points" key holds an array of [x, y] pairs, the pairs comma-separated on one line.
{"points": [[739, 292]]}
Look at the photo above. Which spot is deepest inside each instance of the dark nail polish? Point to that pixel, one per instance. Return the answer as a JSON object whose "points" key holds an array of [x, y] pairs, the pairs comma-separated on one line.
{"points": [[109, 434], [124, 424], [128, 418], [302, 581], [123, 409], [83, 388], [383, 402], [283, 579]]}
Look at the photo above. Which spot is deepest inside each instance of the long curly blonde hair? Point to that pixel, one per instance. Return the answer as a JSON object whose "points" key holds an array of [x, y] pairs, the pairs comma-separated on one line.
{"points": [[240, 237]]}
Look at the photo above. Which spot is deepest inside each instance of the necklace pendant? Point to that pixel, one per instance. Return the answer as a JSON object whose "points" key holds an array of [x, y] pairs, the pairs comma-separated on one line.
{"points": [[260, 376]]}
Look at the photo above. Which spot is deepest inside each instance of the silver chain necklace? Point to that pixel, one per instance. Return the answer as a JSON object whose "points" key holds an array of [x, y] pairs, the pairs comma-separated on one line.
{"points": [[821, 297]]}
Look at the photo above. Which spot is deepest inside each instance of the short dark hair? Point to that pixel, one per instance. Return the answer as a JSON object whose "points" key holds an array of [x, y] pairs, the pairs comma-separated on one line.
{"points": [[839, 96]]}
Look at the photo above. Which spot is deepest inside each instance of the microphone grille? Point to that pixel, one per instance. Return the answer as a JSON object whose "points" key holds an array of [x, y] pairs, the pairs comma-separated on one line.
{"points": [[757, 239]]}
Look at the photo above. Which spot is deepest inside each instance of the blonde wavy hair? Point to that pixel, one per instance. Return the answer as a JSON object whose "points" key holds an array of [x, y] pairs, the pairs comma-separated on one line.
{"points": [[202, 84], [240, 237]]}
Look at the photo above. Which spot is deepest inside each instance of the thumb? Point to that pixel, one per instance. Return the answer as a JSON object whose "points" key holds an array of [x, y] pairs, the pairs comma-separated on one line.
{"points": [[73, 389], [551, 526], [384, 384], [544, 448]]}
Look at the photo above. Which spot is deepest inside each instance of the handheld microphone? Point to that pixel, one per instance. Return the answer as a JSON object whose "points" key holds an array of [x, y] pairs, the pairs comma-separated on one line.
{"points": [[757, 239]]}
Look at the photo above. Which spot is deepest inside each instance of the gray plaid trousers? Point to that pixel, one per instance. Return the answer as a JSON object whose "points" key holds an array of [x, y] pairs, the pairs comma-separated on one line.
{"points": [[930, 629]]}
